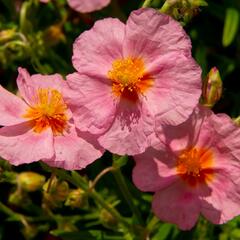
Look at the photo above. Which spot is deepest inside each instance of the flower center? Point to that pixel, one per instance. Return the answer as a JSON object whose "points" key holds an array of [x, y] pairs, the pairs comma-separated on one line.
{"points": [[129, 77], [194, 165], [48, 111]]}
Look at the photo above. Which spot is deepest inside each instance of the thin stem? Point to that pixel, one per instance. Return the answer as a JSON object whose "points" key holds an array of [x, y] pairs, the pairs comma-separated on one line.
{"points": [[110, 209], [152, 224], [50, 182], [147, 3], [100, 175], [165, 7], [127, 195], [7, 210]]}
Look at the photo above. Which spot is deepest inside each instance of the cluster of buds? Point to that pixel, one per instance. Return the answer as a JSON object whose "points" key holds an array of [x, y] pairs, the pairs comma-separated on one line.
{"points": [[26, 182], [183, 10], [55, 192]]}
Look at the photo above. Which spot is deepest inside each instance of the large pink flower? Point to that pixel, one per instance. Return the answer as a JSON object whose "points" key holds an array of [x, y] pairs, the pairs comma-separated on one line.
{"points": [[40, 126], [197, 172], [128, 75]]}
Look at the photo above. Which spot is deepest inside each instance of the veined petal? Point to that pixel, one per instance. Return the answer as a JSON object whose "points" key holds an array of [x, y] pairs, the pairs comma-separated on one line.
{"points": [[12, 108], [19, 144]]}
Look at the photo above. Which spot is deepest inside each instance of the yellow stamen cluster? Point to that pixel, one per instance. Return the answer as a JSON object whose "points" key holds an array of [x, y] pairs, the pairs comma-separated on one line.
{"points": [[49, 111]]}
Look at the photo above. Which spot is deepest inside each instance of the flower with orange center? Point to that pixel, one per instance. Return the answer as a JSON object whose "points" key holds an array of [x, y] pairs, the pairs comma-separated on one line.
{"points": [[129, 77], [48, 111], [39, 125], [195, 165], [196, 172]]}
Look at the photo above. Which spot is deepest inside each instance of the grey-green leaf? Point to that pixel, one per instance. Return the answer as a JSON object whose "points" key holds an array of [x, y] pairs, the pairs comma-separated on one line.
{"points": [[231, 24]]}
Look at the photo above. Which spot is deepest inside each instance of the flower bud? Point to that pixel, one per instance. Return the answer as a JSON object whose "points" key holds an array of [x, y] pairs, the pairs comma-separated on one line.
{"points": [[212, 88], [53, 35], [107, 219], [77, 199], [55, 192], [30, 181], [6, 35]]}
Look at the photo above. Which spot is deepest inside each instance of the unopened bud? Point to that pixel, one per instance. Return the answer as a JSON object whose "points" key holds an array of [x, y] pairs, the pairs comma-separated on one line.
{"points": [[53, 35], [107, 219], [6, 35], [212, 88], [55, 192], [30, 181], [77, 199]]}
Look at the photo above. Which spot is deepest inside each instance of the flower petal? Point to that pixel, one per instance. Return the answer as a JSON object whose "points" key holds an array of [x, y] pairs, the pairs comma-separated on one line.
{"points": [[150, 34], [29, 85], [176, 89], [12, 108], [130, 131], [154, 170], [177, 204], [19, 144], [223, 203], [91, 102], [85, 6], [96, 49], [74, 150]]}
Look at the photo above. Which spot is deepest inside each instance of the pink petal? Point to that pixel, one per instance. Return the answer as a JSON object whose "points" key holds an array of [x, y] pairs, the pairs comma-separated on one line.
{"points": [[130, 131], [154, 170], [177, 86], [29, 85], [74, 150], [85, 6], [222, 204], [91, 102], [96, 49], [177, 204], [12, 108], [150, 34], [19, 144], [194, 131]]}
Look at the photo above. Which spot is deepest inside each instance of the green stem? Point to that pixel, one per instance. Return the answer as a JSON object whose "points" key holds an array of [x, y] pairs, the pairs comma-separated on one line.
{"points": [[127, 195], [147, 3], [165, 7], [7, 210], [79, 182], [151, 225]]}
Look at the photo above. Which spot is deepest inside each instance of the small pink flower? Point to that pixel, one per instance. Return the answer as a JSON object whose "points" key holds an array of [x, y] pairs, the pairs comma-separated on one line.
{"points": [[128, 75], [40, 126], [85, 6], [197, 172]]}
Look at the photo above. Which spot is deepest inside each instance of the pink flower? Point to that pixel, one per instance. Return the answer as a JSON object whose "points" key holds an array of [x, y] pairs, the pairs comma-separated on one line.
{"points": [[85, 6], [40, 126], [197, 172], [128, 75]]}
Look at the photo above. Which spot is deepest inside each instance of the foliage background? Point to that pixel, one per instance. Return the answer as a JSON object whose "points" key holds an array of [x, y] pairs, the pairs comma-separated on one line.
{"points": [[46, 34]]}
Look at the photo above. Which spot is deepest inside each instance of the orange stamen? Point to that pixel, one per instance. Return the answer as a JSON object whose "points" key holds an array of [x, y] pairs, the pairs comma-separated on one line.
{"points": [[129, 78], [194, 165], [49, 111]]}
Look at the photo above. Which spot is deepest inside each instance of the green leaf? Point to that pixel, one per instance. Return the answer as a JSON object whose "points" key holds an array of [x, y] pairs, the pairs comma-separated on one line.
{"points": [[230, 26], [163, 232]]}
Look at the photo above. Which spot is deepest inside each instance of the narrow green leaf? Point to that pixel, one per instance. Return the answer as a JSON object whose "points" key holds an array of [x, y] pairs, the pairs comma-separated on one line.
{"points": [[230, 26]]}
